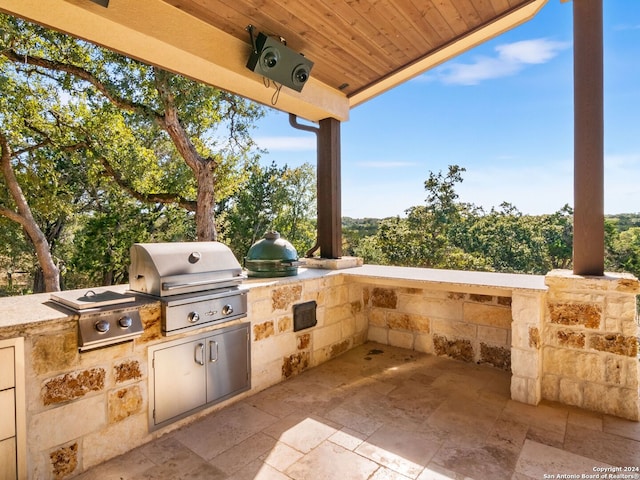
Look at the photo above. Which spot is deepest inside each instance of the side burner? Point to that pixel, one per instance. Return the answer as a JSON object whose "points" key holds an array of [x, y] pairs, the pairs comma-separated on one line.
{"points": [[105, 317]]}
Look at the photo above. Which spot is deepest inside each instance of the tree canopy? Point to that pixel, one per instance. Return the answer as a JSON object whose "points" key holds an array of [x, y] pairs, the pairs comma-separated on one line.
{"points": [[446, 233], [100, 151]]}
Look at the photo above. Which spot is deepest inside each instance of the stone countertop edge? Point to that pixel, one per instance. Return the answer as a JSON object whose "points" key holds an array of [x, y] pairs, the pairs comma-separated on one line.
{"points": [[24, 312], [450, 278], [27, 311]]}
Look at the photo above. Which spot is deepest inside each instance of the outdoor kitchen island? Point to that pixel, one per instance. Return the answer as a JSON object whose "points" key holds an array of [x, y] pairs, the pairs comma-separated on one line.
{"points": [[83, 408]]}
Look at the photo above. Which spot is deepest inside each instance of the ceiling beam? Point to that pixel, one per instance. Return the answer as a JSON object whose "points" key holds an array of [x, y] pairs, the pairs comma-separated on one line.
{"points": [[157, 33]]}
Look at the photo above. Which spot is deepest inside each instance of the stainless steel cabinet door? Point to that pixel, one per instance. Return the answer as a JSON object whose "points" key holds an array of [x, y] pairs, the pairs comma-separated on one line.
{"points": [[179, 379], [228, 363]]}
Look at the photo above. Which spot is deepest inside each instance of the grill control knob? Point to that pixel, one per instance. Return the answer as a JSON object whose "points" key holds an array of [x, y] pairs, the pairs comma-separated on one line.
{"points": [[227, 309], [193, 317], [125, 322], [102, 326]]}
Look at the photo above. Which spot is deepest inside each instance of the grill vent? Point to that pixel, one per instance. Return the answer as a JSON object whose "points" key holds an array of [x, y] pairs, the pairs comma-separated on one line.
{"points": [[304, 316]]}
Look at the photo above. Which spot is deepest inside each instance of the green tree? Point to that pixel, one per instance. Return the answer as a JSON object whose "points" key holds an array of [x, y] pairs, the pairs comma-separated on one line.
{"points": [[296, 211], [354, 232], [557, 231], [271, 198], [623, 249], [98, 259], [445, 233], [76, 120], [16, 258], [369, 250], [422, 238], [41, 165], [508, 241], [174, 117]]}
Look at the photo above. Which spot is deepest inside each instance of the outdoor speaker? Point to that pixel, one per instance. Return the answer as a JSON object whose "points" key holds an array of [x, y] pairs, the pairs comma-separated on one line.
{"points": [[273, 59]]}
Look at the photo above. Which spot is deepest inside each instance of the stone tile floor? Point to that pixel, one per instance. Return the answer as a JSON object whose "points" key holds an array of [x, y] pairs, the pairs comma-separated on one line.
{"points": [[384, 413]]}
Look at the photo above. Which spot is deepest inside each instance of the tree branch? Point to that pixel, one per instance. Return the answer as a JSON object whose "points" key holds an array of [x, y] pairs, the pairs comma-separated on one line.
{"points": [[83, 74], [24, 217], [170, 122], [11, 215], [145, 197]]}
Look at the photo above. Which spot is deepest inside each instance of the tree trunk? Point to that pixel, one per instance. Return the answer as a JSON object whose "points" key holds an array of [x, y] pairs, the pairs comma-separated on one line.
{"points": [[107, 277], [205, 216], [50, 270], [38, 285], [25, 218], [203, 168]]}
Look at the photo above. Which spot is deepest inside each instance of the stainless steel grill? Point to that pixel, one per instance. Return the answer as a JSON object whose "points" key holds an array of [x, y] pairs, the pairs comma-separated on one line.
{"points": [[198, 283]]}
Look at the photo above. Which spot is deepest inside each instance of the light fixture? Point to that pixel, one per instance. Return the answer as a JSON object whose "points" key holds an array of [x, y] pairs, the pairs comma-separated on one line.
{"points": [[271, 58]]}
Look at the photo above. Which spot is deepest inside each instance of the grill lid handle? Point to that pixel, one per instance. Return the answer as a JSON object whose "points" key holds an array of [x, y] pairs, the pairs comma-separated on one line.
{"points": [[176, 285]]}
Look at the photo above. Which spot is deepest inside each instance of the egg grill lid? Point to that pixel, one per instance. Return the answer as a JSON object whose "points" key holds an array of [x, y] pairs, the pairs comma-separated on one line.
{"points": [[272, 256]]}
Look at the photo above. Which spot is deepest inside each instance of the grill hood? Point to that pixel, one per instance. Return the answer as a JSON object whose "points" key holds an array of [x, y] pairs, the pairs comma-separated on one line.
{"points": [[163, 269]]}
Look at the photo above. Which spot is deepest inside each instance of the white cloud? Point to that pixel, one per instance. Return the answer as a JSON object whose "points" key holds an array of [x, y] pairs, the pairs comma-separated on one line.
{"points": [[626, 27], [530, 51], [510, 59], [389, 164], [287, 144]]}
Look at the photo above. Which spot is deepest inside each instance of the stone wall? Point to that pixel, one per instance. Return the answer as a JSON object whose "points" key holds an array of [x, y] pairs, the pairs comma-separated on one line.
{"points": [[590, 352], [277, 351], [576, 343], [84, 408], [528, 311], [464, 326]]}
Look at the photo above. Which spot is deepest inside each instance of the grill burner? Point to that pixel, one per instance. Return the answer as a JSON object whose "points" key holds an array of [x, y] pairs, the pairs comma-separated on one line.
{"points": [[196, 282], [107, 328]]}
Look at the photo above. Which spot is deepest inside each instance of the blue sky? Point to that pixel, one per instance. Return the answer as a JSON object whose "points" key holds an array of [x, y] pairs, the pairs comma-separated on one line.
{"points": [[503, 111]]}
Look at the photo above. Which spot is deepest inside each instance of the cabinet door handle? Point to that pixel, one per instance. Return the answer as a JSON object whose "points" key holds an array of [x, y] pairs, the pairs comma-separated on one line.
{"points": [[200, 348], [211, 359]]}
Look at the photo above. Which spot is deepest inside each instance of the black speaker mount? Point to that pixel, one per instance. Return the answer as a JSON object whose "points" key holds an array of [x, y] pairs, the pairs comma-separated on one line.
{"points": [[271, 58]]}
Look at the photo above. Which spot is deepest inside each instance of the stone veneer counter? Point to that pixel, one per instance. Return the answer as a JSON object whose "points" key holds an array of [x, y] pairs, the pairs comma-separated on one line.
{"points": [[456, 280], [534, 326], [32, 310], [35, 311]]}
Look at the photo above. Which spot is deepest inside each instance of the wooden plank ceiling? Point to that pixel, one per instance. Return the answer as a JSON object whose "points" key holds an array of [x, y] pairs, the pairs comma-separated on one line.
{"points": [[354, 43]]}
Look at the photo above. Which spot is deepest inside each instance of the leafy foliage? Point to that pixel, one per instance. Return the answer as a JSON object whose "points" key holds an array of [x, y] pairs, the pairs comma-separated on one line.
{"points": [[271, 198], [100, 151], [92, 139], [445, 233], [355, 231]]}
